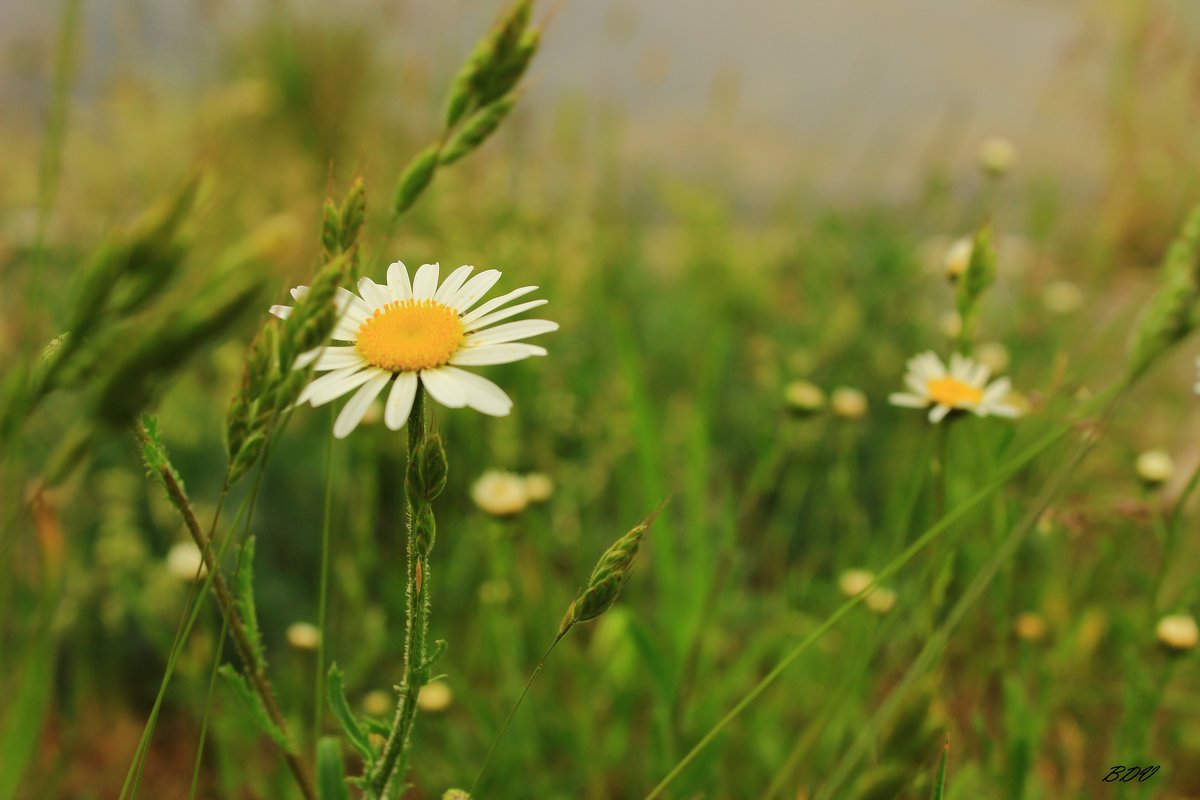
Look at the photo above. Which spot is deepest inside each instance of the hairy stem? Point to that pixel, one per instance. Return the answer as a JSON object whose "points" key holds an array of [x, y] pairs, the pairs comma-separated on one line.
{"points": [[255, 668], [395, 751]]}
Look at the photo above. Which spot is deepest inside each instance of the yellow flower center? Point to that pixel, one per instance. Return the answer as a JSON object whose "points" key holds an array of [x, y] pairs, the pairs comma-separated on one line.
{"points": [[953, 392], [410, 335]]}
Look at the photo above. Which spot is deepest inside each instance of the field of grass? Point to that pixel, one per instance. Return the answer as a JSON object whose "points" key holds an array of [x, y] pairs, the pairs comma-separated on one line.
{"points": [[728, 354]]}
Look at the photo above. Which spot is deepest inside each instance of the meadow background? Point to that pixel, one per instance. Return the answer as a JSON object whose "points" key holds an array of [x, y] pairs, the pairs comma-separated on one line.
{"points": [[717, 203]]}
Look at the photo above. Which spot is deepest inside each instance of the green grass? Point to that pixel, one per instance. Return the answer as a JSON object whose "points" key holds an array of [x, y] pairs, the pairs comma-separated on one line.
{"points": [[683, 317]]}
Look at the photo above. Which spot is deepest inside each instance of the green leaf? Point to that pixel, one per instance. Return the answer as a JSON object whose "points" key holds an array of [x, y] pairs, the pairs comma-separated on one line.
{"points": [[253, 703], [245, 602], [345, 717], [331, 772], [21, 731], [939, 785]]}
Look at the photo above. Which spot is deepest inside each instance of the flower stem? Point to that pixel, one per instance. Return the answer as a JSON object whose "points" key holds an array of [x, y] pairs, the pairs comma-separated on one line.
{"points": [[508, 721], [254, 667], [395, 751], [323, 600]]}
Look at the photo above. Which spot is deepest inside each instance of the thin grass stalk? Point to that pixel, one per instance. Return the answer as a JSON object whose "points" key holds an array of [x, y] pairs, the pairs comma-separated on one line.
{"points": [[256, 669], [937, 641], [50, 168], [508, 720], [323, 599], [930, 535], [186, 622], [217, 655]]}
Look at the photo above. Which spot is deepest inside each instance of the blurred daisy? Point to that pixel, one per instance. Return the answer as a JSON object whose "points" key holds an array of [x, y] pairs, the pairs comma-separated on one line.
{"points": [[958, 257], [848, 403], [997, 155], [303, 635], [1155, 467], [539, 487], [499, 493], [185, 561], [962, 387], [402, 333], [881, 601], [435, 696], [1178, 632]]}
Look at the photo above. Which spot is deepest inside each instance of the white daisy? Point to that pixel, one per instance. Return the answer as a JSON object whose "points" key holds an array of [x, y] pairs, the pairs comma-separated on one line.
{"points": [[401, 333], [962, 387]]}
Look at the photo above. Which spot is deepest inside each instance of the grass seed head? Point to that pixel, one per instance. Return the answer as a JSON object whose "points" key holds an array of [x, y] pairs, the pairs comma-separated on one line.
{"points": [[415, 178], [1155, 467], [609, 576], [1172, 313]]}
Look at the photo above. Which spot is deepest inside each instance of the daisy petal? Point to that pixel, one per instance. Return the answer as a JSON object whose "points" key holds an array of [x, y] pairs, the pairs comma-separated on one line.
{"points": [[376, 296], [919, 386], [474, 289], [443, 388], [906, 400], [335, 384], [352, 306], [397, 281], [329, 357], [997, 391], [495, 354], [425, 283], [512, 331], [321, 385], [400, 400], [505, 313], [480, 393], [345, 331], [939, 413], [352, 413], [283, 312], [299, 292], [496, 302], [454, 281]]}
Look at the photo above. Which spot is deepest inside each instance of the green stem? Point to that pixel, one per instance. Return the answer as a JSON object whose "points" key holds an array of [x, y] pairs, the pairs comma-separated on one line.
{"points": [[217, 658], [395, 750], [930, 535], [508, 721], [935, 643], [50, 168], [255, 668], [938, 468], [323, 601]]}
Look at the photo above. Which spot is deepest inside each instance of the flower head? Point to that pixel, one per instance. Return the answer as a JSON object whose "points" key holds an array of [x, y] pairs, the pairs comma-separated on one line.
{"points": [[1155, 467], [853, 582], [539, 487], [997, 155], [1177, 632], [303, 635], [804, 396], [403, 333], [957, 257], [501, 494], [185, 561], [962, 387], [848, 403]]}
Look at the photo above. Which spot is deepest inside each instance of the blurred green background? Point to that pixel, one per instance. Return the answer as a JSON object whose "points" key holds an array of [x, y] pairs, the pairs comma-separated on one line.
{"points": [[717, 202]]}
